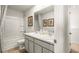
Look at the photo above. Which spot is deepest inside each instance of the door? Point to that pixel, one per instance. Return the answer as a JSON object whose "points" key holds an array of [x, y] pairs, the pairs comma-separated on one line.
{"points": [[12, 32], [74, 26]]}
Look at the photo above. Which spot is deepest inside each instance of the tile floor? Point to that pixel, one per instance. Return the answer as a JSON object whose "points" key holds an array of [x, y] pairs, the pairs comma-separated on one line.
{"points": [[15, 50], [74, 48]]}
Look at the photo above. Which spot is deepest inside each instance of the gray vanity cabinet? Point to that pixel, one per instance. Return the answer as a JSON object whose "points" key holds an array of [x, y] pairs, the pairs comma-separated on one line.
{"points": [[34, 45]]}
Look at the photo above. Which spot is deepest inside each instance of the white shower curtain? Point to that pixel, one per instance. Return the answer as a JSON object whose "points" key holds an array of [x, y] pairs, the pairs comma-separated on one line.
{"points": [[3, 9]]}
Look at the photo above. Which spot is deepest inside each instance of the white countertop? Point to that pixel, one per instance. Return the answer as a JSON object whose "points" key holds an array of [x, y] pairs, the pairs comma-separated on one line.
{"points": [[43, 37]]}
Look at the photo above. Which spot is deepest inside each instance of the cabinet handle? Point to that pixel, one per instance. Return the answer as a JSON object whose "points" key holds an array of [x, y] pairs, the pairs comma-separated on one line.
{"points": [[55, 41], [70, 33]]}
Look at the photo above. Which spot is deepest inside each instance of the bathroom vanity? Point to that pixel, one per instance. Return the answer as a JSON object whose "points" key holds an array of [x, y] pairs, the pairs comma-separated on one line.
{"points": [[39, 43]]}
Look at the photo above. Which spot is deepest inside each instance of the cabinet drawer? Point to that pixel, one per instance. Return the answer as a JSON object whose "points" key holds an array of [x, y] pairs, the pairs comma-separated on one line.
{"points": [[29, 38], [44, 44]]}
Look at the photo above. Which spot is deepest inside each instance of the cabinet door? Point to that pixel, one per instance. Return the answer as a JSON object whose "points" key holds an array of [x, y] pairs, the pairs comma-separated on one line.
{"points": [[51, 48], [37, 48], [26, 45], [46, 45], [46, 51], [30, 46]]}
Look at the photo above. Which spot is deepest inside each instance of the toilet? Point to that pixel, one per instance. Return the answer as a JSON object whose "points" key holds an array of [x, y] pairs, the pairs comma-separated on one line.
{"points": [[21, 44]]}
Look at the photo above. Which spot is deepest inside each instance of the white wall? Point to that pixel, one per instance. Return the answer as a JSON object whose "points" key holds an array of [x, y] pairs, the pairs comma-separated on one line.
{"points": [[13, 23], [60, 29], [74, 23], [27, 14]]}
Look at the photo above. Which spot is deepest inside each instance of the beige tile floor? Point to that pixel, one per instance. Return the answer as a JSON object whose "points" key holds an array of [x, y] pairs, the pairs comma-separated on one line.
{"points": [[75, 47], [15, 50]]}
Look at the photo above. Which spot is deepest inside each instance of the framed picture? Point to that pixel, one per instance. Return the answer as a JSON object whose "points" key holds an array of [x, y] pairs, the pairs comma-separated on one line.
{"points": [[51, 22], [45, 23], [30, 21]]}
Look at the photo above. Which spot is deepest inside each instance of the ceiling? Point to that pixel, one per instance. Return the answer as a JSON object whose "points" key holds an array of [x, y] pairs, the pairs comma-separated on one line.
{"points": [[21, 8], [45, 10]]}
